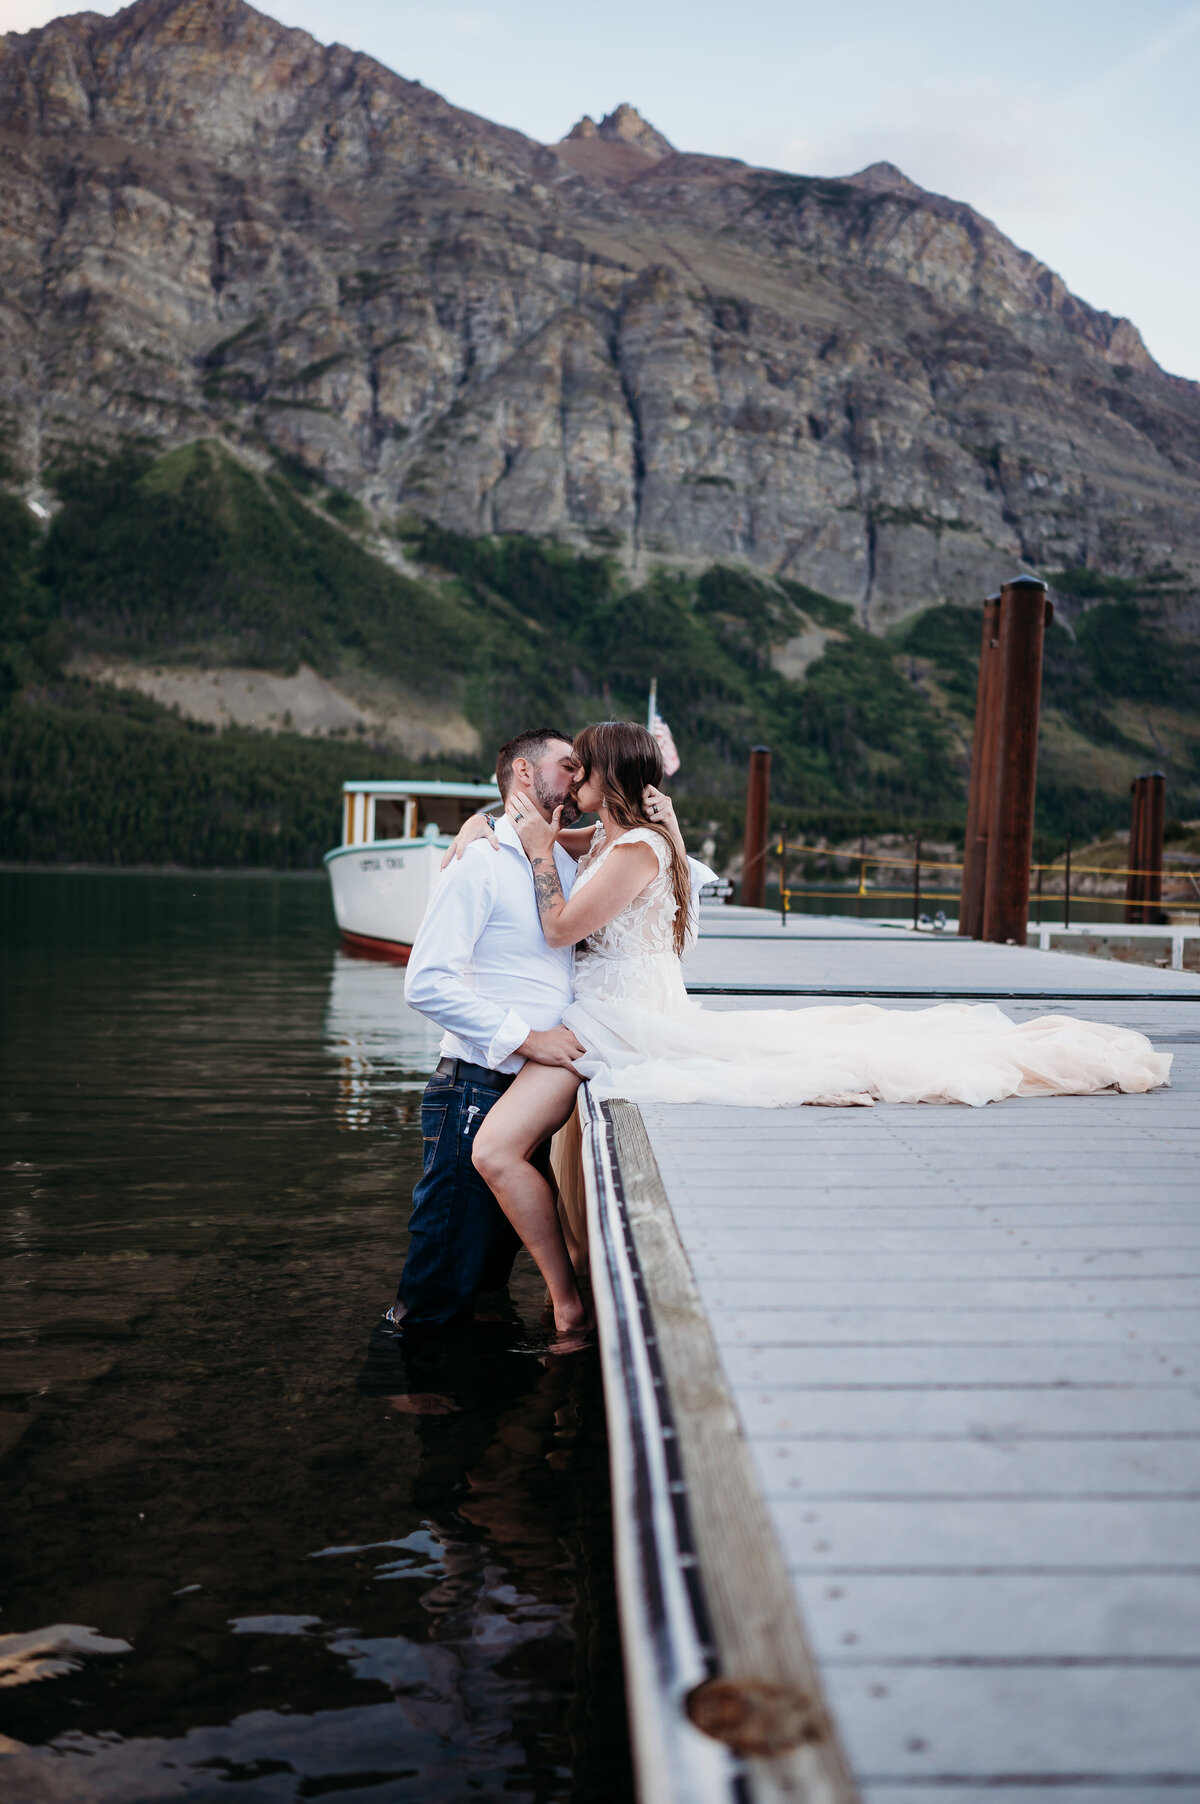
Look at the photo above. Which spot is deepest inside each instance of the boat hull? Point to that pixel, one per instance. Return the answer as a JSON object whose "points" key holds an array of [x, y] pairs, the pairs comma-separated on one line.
{"points": [[363, 946], [381, 891]]}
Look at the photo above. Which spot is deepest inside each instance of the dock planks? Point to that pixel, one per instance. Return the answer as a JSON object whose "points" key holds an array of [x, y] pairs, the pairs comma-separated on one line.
{"points": [[962, 1350]]}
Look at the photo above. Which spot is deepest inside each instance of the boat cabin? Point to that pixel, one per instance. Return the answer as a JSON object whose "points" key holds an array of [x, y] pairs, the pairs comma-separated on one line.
{"points": [[401, 811]]}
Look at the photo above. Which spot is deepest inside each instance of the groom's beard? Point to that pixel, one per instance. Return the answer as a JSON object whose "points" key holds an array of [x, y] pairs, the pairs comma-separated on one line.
{"points": [[571, 812]]}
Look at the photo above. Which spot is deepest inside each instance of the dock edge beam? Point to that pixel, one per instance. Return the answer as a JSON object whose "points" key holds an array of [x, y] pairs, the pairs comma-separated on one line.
{"points": [[725, 1700]]}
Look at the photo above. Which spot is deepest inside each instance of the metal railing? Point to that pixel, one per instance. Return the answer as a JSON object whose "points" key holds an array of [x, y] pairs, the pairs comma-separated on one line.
{"points": [[1063, 868]]}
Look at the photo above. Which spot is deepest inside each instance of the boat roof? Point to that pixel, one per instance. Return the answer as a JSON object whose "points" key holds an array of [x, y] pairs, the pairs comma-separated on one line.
{"points": [[400, 786]]}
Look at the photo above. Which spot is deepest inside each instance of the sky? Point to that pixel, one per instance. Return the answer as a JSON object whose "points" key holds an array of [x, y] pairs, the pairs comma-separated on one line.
{"points": [[1073, 124]]}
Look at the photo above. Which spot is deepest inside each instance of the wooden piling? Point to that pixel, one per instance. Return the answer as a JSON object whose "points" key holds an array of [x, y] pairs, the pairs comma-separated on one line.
{"points": [[979, 792], [1133, 881], [754, 861], [1024, 613], [1143, 886], [1155, 806]]}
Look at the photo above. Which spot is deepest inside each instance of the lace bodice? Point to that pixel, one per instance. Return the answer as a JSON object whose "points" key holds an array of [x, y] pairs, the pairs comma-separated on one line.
{"points": [[645, 925], [616, 959]]}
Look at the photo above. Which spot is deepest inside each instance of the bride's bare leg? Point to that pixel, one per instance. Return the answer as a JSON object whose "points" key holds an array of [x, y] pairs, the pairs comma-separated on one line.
{"points": [[575, 1253], [534, 1105]]}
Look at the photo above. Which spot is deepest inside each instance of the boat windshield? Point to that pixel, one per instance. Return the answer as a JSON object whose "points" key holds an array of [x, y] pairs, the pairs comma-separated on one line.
{"points": [[405, 817], [395, 818], [447, 813]]}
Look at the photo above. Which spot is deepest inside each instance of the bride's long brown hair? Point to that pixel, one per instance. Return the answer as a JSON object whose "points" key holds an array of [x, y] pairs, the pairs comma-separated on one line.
{"points": [[623, 758]]}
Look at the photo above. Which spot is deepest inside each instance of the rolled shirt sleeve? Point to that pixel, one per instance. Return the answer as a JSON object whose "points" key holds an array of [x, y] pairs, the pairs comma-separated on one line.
{"points": [[513, 1032], [436, 983]]}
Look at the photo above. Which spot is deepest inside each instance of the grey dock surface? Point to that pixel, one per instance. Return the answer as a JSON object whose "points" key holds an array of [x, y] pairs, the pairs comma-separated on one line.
{"points": [[908, 1423]]}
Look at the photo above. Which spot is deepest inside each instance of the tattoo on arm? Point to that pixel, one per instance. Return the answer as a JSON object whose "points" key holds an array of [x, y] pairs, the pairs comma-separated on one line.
{"points": [[547, 888]]}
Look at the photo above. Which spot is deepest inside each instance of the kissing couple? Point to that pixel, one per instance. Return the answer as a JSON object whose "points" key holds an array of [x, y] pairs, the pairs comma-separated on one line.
{"points": [[551, 953]]}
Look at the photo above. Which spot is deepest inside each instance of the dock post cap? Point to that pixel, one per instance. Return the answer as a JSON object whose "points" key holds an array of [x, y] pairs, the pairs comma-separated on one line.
{"points": [[760, 748], [991, 600], [1025, 582]]}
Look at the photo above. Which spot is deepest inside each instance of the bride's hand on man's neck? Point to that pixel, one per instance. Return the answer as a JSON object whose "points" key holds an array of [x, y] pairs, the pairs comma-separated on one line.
{"points": [[535, 828]]}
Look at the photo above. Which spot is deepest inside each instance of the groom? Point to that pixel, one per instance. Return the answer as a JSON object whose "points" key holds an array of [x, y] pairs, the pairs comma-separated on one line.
{"points": [[481, 969]]}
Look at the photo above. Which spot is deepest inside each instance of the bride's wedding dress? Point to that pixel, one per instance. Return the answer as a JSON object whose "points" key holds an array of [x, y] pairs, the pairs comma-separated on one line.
{"points": [[648, 1041]]}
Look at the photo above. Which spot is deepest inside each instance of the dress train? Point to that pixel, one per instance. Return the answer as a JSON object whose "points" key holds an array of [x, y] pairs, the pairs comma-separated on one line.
{"points": [[647, 1040]]}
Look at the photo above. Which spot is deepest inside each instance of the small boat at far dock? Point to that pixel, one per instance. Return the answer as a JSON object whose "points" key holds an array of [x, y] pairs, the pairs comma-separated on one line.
{"points": [[393, 837]]}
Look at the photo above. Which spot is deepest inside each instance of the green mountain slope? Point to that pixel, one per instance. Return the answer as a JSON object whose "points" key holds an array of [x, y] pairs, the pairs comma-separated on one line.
{"points": [[196, 559], [195, 554]]}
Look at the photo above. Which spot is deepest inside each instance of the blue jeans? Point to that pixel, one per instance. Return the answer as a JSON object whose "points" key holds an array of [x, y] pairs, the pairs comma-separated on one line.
{"points": [[460, 1240]]}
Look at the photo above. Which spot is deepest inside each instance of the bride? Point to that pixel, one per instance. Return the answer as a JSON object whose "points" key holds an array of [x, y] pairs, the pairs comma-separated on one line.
{"points": [[630, 917]]}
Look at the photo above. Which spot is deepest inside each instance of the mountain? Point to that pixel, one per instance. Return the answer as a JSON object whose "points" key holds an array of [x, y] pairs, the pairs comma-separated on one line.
{"points": [[215, 225], [317, 389]]}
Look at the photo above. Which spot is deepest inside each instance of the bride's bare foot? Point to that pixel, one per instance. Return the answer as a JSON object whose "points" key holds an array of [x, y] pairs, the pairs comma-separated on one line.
{"points": [[573, 1340], [572, 1317], [569, 1343]]}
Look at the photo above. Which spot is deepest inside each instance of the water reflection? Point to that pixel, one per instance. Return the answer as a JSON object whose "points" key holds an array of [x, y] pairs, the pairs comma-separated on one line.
{"points": [[377, 1040], [261, 1573]]}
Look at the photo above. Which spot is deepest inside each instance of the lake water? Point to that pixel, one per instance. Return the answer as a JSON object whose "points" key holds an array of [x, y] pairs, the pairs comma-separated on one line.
{"points": [[262, 1580]]}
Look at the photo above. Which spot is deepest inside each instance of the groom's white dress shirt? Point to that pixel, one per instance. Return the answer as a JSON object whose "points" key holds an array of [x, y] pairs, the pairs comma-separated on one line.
{"points": [[480, 967]]}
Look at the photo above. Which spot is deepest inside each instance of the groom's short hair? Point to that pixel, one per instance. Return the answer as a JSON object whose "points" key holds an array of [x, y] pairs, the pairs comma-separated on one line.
{"points": [[532, 745]]}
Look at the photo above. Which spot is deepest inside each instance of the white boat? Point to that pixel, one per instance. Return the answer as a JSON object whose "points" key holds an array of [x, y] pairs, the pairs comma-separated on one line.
{"points": [[393, 837]]}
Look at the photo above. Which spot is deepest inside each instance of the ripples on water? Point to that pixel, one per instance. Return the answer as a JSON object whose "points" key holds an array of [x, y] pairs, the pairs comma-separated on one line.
{"points": [[208, 1136]]}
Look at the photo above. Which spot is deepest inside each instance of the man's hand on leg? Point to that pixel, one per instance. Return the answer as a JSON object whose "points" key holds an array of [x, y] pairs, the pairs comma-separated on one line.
{"points": [[551, 1046]]}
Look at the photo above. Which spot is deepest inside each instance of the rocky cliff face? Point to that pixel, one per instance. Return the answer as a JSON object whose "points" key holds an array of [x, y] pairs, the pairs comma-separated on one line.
{"points": [[213, 226]]}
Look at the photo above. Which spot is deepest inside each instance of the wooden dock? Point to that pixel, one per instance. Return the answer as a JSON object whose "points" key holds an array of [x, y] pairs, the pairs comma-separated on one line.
{"points": [[905, 1407]]}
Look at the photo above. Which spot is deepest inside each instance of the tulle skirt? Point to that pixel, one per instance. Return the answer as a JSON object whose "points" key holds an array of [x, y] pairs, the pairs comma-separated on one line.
{"points": [[647, 1040]]}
